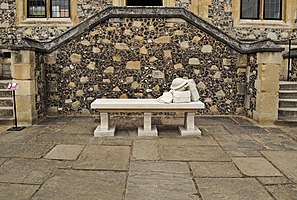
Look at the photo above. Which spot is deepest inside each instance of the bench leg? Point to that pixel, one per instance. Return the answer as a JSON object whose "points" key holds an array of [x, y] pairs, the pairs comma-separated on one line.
{"points": [[104, 128], [147, 129], [189, 127]]}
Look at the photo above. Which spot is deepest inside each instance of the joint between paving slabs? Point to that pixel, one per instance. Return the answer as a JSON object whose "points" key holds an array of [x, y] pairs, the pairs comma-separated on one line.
{"points": [[128, 170], [193, 179]]}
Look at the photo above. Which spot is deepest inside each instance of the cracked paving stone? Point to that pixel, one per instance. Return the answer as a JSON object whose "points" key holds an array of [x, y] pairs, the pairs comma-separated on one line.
{"points": [[160, 180], [214, 169], [285, 161], [232, 188], [65, 152], [79, 185], [276, 142], [145, 150], [256, 167], [283, 192], [25, 150], [27, 171], [104, 158], [193, 153], [17, 191]]}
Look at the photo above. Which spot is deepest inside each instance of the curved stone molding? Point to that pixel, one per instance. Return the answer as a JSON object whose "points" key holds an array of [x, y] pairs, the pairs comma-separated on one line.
{"points": [[149, 12]]}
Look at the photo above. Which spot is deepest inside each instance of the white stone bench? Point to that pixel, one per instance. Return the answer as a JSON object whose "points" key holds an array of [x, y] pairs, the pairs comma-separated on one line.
{"points": [[147, 107]]}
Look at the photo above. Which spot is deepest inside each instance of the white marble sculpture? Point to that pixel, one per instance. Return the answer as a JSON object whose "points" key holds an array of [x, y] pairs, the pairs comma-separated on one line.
{"points": [[182, 91]]}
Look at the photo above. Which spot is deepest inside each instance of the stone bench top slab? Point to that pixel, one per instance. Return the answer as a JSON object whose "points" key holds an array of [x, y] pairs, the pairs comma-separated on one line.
{"points": [[149, 104]]}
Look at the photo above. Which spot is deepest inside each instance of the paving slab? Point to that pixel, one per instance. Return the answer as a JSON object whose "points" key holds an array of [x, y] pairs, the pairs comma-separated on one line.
{"points": [[103, 158], [116, 141], [206, 140], [256, 167], [283, 192], [285, 161], [278, 180], [232, 188], [243, 121], [83, 185], [27, 171], [237, 129], [20, 136], [80, 126], [211, 120], [214, 169], [214, 130], [160, 180], [24, 150], [145, 150], [65, 152], [243, 152], [275, 141], [17, 191], [193, 153], [2, 160]]}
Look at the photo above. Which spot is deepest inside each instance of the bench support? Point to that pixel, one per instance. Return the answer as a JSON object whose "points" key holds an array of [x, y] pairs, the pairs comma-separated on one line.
{"points": [[104, 128], [189, 127], [147, 129]]}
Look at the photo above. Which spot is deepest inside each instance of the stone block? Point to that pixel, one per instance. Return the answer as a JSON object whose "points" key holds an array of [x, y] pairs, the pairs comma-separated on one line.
{"points": [[269, 72], [184, 45], [75, 58], [163, 40], [50, 58], [167, 54], [269, 57], [121, 46], [178, 66], [26, 110], [25, 88], [23, 57], [267, 103], [271, 87], [157, 74], [194, 61], [265, 118], [22, 71], [241, 60], [133, 65], [206, 49]]}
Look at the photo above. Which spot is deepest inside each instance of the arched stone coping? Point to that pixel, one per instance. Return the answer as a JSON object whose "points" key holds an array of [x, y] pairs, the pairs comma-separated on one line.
{"points": [[149, 12]]}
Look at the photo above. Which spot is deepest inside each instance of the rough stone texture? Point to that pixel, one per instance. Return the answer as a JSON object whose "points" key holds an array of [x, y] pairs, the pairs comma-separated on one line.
{"points": [[17, 191], [145, 150], [256, 167], [278, 180], [276, 142], [214, 169], [285, 161], [26, 171], [69, 184], [158, 180], [283, 192], [232, 188], [104, 157], [64, 152], [293, 72]]}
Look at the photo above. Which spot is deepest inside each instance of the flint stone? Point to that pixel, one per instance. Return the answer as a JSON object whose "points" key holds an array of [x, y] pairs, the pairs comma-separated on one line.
{"points": [[163, 40], [106, 80], [106, 41], [184, 45], [178, 66], [109, 70], [17, 191], [226, 62], [214, 68], [178, 32], [75, 58], [156, 88], [135, 85], [214, 169], [196, 71], [133, 65], [80, 93], [124, 96], [104, 158], [116, 58], [65, 152], [167, 54], [130, 79], [84, 79], [196, 39], [201, 85], [65, 70], [231, 188], [157, 74], [77, 185], [213, 109], [242, 60], [160, 180], [121, 46], [143, 50], [75, 105], [116, 89], [153, 59], [4, 6], [96, 50], [220, 93], [91, 65], [194, 61], [85, 43], [217, 75], [206, 49]]}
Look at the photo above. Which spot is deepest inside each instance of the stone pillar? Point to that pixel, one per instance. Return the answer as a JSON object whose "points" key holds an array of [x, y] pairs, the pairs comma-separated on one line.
{"points": [[267, 85], [23, 73]]}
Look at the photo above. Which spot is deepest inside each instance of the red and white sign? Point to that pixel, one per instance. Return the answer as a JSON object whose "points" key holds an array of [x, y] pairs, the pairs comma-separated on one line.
{"points": [[12, 86]]}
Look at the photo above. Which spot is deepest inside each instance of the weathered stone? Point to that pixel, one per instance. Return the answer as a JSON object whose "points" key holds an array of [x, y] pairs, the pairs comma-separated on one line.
{"points": [[184, 45], [128, 32], [163, 40], [277, 180], [96, 50], [214, 109], [71, 85], [220, 93], [194, 61], [206, 49], [133, 65], [75, 105], [138, 94], [214, 169], [75, 58], [242, 60], [100, 157], [111, 28], [157, 74], [217, 75], [135, 85], [275, 141], [65, 70], [65, 152], [201, 85], [130, 79], [153, 59], [272, 35], [24, 150], [8, 191], [167, 54], [143, 50], [124, 96], [137, 24], [80, 93], [214, 68], [52, 109], [178, 32], [116, 58], [121, 46], [283, 191], [96, 88], [4, 6], [51, 58], [85, 43], [116, 89], [79, 184], [109, 70], [196, 39], [90, 98], [178, 66], [231, 188], [85, 111], [91, 66], [145, 150], [137, 37], [226, 62], [156, 88], [197, 71], [84, 79]]}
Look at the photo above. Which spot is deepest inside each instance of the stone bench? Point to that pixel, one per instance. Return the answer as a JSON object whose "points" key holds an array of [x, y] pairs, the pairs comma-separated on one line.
{"points": [[147, 107]]}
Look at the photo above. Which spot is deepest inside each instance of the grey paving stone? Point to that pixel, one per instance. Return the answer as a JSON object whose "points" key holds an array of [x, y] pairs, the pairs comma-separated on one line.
{"points": [[285, 161], [126, 132], [19, 136], [83, 185], [243, 121], [256, 167], [17, 191], [236, 129], [274, 180], [275, 142], [193, 153], [214, 130], [145, 150], [55, 120], [24, 150], [232, 188], [283, 192], [65, 152], [160, 180], [116, 141], [27, 171], [2, 160], [214, 169], [104, 158], [214, 120], [188, 141], [243, 152], [80, 127]]}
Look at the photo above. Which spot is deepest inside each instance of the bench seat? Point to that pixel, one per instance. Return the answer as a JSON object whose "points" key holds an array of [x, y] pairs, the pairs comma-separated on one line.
{"points": [[147, 107]]}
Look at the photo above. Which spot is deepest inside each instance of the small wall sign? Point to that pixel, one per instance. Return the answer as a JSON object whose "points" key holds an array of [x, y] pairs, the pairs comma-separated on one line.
{"points": [[12, 86]]}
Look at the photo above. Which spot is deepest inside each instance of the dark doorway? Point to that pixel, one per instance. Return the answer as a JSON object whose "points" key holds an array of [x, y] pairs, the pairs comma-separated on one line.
{"points": [[144, 2]]}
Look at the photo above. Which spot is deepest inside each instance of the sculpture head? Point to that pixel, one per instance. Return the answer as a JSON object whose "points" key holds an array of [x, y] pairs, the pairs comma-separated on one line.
{"points": [[179, 84]]}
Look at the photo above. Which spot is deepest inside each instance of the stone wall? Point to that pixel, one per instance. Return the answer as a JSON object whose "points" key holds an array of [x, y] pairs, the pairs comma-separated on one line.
{"points": [[293, 73], [139, 58]]}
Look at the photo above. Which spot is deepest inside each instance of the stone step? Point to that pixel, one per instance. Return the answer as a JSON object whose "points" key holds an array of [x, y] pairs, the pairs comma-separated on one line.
{"points": [[288, 94], [5, 93], [4, 83], [287, 112], [6, 108], [4, 113], [288, 85], [286, 121], [288, 103]]}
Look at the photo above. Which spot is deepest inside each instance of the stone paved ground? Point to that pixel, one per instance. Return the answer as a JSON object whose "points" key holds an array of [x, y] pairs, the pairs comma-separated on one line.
{"points": [[234, 159]]}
